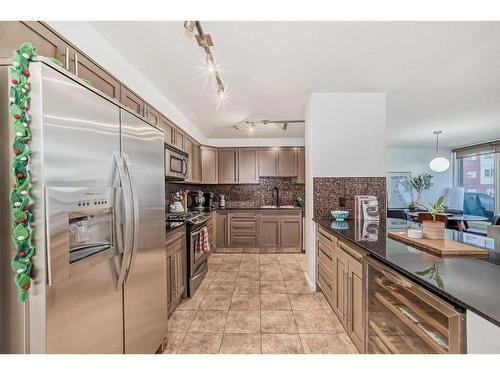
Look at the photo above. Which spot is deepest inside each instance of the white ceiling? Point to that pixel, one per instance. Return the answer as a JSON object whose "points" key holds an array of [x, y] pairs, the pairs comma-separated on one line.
{"points": [[437, 75]]}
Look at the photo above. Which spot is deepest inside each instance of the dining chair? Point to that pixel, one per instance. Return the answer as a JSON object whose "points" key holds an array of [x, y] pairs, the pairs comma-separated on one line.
{"points": [[494, 232]]}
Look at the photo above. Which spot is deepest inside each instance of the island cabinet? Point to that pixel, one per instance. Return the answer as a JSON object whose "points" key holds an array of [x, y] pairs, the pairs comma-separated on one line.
{"points": [[277, 162], [176, 267], [209, 172], [340, 278]]}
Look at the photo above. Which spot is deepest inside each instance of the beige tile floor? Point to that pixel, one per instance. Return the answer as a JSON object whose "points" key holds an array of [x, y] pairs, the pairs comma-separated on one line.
{"points": [[253, 304]]}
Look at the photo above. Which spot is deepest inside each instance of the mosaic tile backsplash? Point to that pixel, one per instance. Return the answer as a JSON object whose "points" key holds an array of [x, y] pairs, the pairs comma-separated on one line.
{"points": [[327, 192], [249, 195]]}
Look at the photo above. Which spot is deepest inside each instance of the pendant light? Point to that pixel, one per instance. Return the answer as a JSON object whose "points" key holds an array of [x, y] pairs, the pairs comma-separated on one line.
{"points": [[439, 163]]}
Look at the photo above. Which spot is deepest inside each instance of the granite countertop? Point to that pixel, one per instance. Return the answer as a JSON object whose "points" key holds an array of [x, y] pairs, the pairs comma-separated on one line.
{"points": [[259, 208], [467, 282]]}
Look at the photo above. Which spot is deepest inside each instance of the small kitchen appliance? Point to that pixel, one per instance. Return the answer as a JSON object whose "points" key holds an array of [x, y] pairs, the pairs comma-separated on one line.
{"points": [[197, 200], [222, 201], [209, 199]]}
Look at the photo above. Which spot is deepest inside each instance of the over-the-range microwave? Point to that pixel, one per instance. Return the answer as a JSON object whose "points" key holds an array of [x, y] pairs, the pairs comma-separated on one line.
{"points": [[176, 163]]}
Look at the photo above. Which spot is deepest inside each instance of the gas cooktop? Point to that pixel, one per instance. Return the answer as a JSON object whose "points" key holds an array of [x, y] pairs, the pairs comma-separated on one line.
{"points": [[190, 217]]}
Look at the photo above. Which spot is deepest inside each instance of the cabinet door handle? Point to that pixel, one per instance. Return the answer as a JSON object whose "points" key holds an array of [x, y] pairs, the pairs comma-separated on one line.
{"points": [[76, 64], [349, 298], [344, 295], [66, 58]]}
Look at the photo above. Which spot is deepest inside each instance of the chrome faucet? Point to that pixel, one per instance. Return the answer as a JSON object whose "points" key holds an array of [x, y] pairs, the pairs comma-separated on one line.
{"points": [[277, 196]]}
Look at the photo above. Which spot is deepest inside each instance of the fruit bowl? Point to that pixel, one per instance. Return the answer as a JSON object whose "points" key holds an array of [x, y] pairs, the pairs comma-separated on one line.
{"points": [[340, 215]]}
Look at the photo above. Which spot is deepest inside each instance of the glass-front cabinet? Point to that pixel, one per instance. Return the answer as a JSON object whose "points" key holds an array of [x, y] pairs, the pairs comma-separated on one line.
{"points": [[405, 318]]}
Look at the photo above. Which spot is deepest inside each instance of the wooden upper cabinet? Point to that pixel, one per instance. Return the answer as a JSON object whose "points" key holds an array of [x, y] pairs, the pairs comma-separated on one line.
{"points": [[196, 162], [179, 138], [45, 41], [189, 149], [86, 69], [248, 166], [168, 128], [301, 165], [152, 115], [228, 166], [131, 100], [209, 165], [287, 162], [268, 162]]}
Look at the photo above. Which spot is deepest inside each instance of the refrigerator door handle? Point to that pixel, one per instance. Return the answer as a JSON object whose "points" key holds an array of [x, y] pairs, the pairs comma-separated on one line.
{"points": [[127, 200], [135, 205]]}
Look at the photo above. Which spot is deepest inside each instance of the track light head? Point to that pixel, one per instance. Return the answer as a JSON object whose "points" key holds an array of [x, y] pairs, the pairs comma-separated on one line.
{"points": [[189, 25]]}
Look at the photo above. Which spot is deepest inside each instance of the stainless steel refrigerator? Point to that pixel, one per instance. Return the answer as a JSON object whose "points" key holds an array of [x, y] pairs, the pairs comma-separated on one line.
{"points": [[100, 283]]}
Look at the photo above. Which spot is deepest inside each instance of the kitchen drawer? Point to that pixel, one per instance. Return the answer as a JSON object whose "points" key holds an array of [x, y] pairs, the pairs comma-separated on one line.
{"points": [[327, 238], [243, 240], [325, 256], [325, 284], [243, 225]]}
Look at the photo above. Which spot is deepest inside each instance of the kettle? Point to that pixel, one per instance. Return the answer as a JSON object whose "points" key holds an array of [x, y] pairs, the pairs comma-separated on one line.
{"points": [[176, 207]]}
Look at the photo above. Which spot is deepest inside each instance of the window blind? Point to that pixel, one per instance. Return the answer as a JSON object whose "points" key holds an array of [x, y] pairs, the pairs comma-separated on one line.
{"points": [[479, 149]]}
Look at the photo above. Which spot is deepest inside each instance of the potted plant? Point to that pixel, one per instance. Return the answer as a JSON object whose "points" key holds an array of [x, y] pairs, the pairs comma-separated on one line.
{"points": [[433, 229], [420, 183]]}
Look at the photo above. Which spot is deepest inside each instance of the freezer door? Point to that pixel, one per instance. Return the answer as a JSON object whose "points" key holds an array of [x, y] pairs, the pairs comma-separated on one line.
{"points": [[80, 130], [145, 289]]}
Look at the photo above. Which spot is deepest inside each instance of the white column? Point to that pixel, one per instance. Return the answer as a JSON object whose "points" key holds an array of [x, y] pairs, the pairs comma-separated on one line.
{"points": [[345, 136]]}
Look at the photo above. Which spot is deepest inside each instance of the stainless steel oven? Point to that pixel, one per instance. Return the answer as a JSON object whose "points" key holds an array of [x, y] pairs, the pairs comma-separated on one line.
{"points": [[176, 163], [197, 259]]}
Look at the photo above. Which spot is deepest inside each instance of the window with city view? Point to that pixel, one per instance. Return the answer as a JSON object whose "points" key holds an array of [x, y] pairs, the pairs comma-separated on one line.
{"points": [[476, 174]]}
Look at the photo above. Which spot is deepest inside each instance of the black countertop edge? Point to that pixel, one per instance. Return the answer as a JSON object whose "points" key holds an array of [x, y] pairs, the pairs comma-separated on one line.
{"points": [[257, 208], [446, 296]]}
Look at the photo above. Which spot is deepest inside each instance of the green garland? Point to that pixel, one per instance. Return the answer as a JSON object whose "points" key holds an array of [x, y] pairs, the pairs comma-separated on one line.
{"points": [[19, 195]]}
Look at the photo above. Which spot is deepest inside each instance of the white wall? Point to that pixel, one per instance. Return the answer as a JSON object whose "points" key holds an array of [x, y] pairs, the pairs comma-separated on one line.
{"points": [[416, 161], [344, 137], [255, 142], [90, 41]]}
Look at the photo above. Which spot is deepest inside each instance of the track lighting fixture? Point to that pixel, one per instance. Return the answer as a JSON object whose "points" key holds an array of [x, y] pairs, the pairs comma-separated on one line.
{"points": [[205, 41]]}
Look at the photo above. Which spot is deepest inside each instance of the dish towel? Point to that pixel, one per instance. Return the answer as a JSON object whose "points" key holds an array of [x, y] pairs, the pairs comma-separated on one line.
{"points": [[203, 245]]}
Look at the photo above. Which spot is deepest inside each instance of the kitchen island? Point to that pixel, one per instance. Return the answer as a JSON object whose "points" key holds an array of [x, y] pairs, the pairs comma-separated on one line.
{"points": [[466, 283]]}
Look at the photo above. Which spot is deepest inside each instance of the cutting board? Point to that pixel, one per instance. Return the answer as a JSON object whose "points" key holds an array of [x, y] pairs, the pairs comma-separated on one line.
{"points": [[440, 247]]}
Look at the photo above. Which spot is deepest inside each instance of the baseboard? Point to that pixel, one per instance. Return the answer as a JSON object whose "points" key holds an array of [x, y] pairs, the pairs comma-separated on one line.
{"points": [[311, 285]]}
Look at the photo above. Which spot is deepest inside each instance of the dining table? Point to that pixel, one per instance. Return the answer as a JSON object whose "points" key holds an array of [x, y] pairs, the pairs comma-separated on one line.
{"points": [[457, 220]]}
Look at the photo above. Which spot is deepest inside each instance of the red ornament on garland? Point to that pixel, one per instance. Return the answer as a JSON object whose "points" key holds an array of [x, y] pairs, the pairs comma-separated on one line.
{"points": [[16, 151], [17, 117], [21, 220], [26, 287], [14, 81], [19, 175], [22, 253], [26, 72]]}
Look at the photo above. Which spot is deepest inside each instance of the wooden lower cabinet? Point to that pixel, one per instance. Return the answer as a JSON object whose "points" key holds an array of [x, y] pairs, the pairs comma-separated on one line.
{"points": [[211, 226], [272, 230], [176, 267], [340, 278], [221, 230]]}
